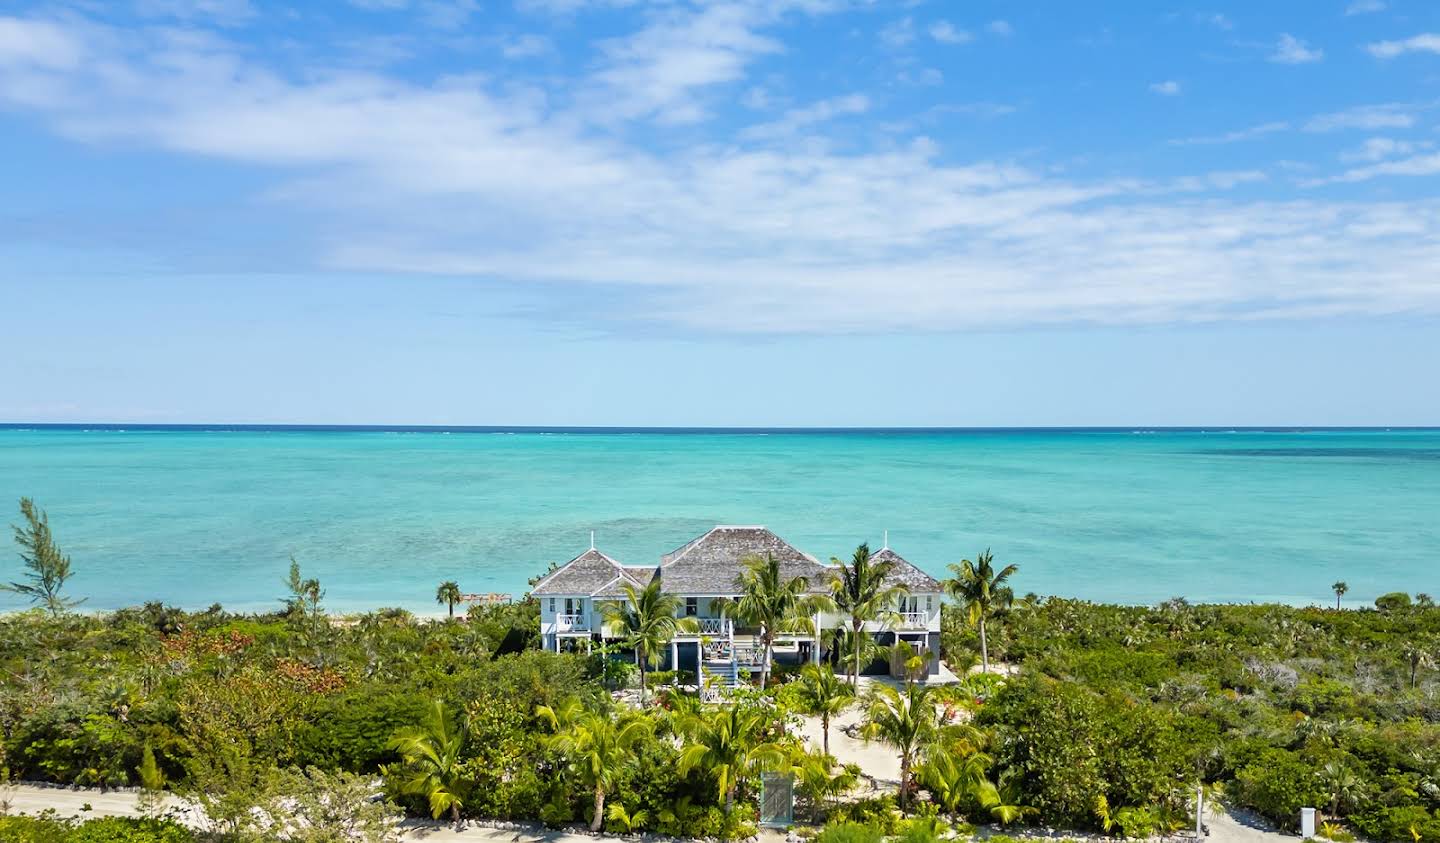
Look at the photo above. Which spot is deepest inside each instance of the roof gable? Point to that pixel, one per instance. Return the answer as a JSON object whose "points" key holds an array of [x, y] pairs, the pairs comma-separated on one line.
{"points": [[711, 564], [904, 573], [587, 573]]}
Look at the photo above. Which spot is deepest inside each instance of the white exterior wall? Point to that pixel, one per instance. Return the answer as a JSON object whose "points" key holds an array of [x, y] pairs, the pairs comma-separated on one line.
{"points": [[926, 619], [554, 618]]}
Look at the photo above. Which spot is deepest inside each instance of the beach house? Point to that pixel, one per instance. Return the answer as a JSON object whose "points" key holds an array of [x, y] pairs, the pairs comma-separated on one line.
{"points": [[704, 573]]}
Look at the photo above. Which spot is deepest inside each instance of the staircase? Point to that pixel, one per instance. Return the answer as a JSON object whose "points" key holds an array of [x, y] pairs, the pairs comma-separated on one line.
{"points": [[723, 659]]}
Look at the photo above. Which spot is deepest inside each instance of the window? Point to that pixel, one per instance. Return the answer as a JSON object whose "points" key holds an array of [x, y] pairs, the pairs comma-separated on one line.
{"points": [[929, 603], [692, 606], [552, 605]]}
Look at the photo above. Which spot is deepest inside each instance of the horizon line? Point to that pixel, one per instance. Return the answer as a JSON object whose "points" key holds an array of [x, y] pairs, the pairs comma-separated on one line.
{"points": [[300, 427]]}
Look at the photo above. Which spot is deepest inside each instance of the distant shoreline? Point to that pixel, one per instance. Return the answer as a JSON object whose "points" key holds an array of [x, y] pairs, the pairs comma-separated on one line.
{"points": [[225, 427]]}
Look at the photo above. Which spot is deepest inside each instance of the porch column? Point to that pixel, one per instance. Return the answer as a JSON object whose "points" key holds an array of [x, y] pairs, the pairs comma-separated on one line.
{"points": [[674, 654], [815, 650]]}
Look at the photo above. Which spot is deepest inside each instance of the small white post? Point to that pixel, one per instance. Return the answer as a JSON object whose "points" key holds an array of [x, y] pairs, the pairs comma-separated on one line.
{"points": [[592, 539], [1307, 823], [1199, 810], [674, 655], [887, 541]]}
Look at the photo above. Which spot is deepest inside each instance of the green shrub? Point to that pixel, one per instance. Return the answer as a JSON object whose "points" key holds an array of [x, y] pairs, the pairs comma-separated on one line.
{"points": [[850, 832], [1278, 784], [46, 829], [1403, 822], [1394, 601]]}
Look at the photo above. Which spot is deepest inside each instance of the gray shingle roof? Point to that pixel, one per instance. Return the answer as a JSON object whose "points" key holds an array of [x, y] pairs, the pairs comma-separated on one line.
{"points": [[638, 577], [586, 574], [905, 573], [711, 564]]}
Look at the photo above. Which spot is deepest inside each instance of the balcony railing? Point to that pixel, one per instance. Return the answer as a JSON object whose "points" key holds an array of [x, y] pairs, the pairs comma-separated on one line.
{"points": [[707, 626], [572, 622], [914, 620]]}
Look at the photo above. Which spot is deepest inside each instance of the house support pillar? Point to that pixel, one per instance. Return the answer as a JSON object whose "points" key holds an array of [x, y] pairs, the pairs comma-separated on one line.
{"points": [[674, 655]]}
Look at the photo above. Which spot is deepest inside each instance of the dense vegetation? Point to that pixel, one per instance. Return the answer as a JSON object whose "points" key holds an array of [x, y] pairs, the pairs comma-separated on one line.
{"points": [[1285, 707], [1107, 718]]}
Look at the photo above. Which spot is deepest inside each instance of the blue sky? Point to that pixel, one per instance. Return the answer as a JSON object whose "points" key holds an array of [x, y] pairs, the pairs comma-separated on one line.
{"points": [[809, 212]]}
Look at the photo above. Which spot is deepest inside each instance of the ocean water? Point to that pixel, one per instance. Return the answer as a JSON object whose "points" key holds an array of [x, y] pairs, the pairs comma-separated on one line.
{"points": [[193, 516]]}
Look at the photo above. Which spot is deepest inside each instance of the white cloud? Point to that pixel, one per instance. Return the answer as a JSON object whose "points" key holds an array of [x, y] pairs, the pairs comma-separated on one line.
{"points": [[1378, 149], [1220, 180], [1292, 50], [1419, 165], [1428, 42], [1168, 88], [811, 115], [1365, 7], [1216, 20], [1250, 133], [946, 32], [897, 34], [464, 176], [1000, 27], [659, 71], [1364, 117], [525, 46], [38, 43], [225, 12]]}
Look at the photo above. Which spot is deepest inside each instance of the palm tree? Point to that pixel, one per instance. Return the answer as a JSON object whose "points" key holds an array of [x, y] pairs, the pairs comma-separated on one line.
{"points": [[1344, 787], [1003, 801], [729, 744], [952, 778], [448, 594], [774, 604], [433, 753], [982, 592], [816, 779], [907, 722], [861, 593], [597, 745], [1339, 587], [630, 821], [823, 694], [1417, 655], [646, 622]]}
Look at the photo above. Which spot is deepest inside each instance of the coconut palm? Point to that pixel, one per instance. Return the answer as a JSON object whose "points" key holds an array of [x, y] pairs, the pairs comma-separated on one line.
{"points": [[861, 593], [982, 592], [630, 821], [908, 722], [432, 752], [1339, 587], [817, 780], [823, 694], [729, 744], [448, 594], [774, 603], [597, 745], [1003, 800], [646, 621], [952, 779]]}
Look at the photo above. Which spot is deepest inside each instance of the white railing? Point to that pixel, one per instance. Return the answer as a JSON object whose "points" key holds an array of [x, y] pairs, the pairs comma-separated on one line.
{"points": [[914, 620], [572, 622], [706, 626]]}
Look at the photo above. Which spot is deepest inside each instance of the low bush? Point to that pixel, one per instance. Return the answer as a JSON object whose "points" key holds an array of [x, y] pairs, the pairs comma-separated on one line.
{"points": [[851, 832], [49, 829]]}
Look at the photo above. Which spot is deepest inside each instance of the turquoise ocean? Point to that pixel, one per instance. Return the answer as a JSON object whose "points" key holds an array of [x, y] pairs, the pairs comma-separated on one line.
{"points": [[196, 515]]}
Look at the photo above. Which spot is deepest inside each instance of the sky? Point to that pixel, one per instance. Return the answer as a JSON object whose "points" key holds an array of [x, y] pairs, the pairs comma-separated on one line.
{"points": [[739, 212]]}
